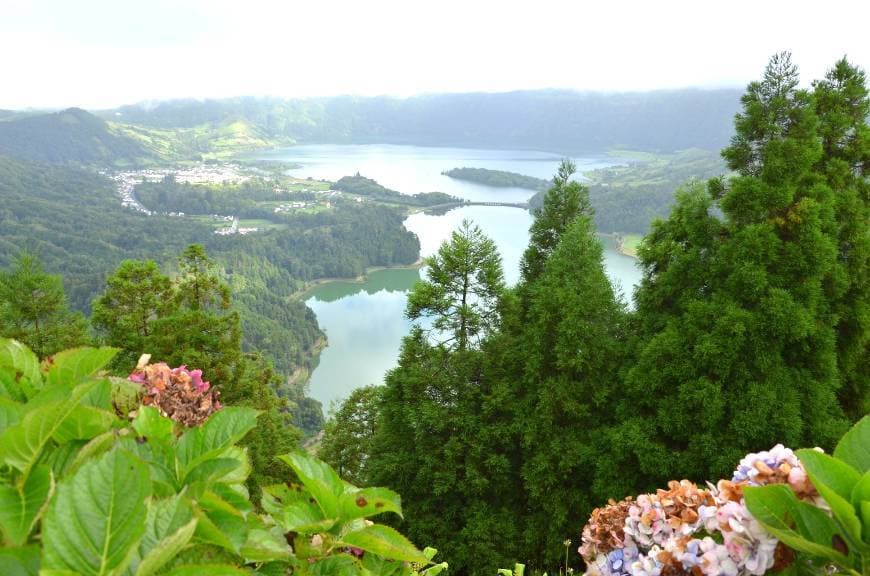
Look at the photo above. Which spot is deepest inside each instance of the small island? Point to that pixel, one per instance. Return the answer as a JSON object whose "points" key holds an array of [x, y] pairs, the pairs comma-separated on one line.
{"points": [[363, 186], [498, 178]]}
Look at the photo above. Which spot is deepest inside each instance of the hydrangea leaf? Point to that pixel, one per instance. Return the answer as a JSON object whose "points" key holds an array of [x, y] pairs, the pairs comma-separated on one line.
{"points": [[151, 424], [369, 502], [19, 561], [22, 366], [797, 524], [319, 479], [21, 445], [75, 365], [223, 429], [97, 518], [854, 447], [21, 505], [835, 481], [384, 541]]}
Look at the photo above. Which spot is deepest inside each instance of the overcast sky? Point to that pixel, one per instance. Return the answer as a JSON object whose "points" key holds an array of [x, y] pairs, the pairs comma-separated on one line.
{"points": [[104, 53]]}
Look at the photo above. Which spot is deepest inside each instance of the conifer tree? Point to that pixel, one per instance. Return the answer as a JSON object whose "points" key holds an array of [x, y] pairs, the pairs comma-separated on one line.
{"points": [[743, 357], [137, 295], [842, 105], [563, 203], [574, 343], [34, 309], [462, 289]]}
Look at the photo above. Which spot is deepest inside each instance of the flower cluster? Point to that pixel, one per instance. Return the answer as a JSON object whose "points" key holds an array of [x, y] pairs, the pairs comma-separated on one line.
{"points": [[690, 530], [178, 393]]}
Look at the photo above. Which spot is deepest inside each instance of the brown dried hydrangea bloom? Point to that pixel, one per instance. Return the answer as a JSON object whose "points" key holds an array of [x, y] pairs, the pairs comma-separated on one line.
{"points": [[604, 530], [178, 393], [681, 500]]}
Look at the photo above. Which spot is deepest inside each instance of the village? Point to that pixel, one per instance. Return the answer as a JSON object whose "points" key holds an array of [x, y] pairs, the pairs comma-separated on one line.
{"points": [[207, 174]]}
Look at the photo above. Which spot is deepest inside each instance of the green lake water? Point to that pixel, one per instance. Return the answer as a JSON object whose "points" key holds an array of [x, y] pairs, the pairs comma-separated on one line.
{"points": [[365, 322]]}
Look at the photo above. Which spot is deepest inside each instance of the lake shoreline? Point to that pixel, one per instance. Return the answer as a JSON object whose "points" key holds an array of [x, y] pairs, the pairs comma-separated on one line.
{"points": [[361, 279], [620, 241]]}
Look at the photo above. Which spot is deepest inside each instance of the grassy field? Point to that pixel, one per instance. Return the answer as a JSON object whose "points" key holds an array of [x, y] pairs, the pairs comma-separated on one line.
{"points": [[260, 224]]}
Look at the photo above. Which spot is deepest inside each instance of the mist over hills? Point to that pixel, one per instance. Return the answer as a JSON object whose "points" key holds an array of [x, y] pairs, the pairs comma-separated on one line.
{"points": [[553, 120]]}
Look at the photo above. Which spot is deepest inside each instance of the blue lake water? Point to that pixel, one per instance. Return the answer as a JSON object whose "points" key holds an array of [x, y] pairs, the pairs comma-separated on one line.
{"points": [[365, 322]]}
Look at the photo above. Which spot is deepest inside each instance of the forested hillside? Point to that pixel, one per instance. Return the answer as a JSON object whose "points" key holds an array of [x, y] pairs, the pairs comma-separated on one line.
{"points": [[559, 121], [73, 220], [69, 137], [629, 198]]}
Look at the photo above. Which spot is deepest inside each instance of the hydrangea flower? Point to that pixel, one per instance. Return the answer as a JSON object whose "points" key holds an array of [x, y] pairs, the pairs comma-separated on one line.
{"points": [[178, 393], [690, 530]]}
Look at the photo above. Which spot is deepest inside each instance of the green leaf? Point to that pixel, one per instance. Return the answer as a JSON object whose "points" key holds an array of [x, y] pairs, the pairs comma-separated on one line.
{"points": [[11, 413], [223, 429], [151, 424], [384, 541], [335, 565], [208, 569], [19, 561], [293, 510], [21, 445], [265, 546], [369, 502], [211, 471], [83, 423], [835, 481], [208, 531], [438, 569], [73, 366], [23, 504], [799, 525], [166, 549], [861, 491], [26, 378], [379, 566], [854, 447], [97, 518], [169, 526], [319, 479], [96, 446]]}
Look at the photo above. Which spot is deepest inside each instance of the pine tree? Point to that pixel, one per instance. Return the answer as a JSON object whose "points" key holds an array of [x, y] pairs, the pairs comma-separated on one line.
{"points": [[34, 309]]}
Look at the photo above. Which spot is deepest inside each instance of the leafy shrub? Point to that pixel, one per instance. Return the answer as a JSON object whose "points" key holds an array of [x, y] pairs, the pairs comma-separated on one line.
{"points": [[93, 482]]}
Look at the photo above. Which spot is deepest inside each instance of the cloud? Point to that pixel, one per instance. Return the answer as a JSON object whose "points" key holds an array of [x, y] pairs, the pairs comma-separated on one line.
{"points": [[102, 53]]}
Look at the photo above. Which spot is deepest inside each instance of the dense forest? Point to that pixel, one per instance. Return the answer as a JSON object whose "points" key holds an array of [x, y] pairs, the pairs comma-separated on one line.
{"points": [[73, 136], [629, 198], [515, 411], [72, 220]]}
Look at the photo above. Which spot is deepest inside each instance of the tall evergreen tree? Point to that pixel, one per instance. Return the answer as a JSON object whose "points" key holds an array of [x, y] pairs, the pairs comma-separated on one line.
{"points": [[563, 203], [574, 344], [462, 289], [842, 105], [34, 309], [747, 357]]}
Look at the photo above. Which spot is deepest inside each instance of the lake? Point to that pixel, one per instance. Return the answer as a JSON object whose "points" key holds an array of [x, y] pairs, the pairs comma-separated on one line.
{"points": [[365, 322]]}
